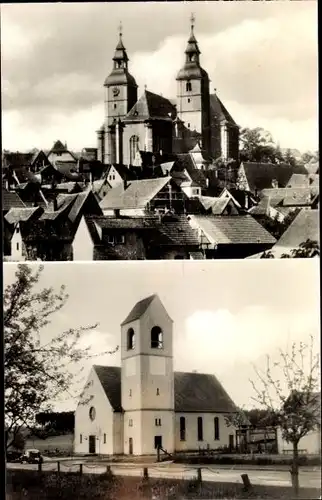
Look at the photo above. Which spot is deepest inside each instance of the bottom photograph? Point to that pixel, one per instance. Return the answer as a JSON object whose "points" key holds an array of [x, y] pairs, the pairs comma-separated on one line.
{"points": [[160, 380]]}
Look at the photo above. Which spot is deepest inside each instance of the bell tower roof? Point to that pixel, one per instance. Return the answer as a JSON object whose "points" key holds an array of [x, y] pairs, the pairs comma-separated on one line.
{"points": [[192, 68], [120, 74]]}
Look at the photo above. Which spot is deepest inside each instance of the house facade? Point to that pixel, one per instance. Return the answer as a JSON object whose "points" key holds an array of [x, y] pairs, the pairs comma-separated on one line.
{"points": [[145, 404]]}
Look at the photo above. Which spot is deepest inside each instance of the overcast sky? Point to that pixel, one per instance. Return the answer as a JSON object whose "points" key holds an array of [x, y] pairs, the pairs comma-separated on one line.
{"points": [[227, 315], [261, 57]]}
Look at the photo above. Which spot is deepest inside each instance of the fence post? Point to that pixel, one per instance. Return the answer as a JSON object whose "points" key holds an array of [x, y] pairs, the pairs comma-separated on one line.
{"points": [[58, 467], [145, 473], [199, 475], [80, 469], [246, 482], [39, 467]]}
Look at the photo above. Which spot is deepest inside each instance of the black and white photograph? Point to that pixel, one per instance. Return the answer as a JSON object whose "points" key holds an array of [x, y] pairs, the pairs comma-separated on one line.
{"points": [[162, 380], [159, 130]]}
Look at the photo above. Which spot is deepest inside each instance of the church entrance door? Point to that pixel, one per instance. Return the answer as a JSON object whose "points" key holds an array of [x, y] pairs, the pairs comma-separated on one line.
{"points": [[157, 442], [92, 444], [130, 446]]}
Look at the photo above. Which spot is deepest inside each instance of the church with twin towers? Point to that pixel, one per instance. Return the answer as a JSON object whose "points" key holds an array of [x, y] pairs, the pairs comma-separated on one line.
{"points": [[196, 118]]}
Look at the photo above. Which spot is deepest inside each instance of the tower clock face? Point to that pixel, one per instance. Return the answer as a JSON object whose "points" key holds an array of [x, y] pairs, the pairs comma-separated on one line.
{"points": [[116, 91]]}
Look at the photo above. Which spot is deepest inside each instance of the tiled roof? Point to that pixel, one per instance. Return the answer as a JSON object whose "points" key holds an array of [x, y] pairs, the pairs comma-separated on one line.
{"points": [[178, 231], [68, 169], [299, 196], [16, 160], [305, 226], [193, 392], [298, 180], [238, 229], [220, 205], [184, 161], [151, 107], [260, 175], [134, 223], [136, 195], [76, 202], [22, 214], [208, 201], [219, 111], [10, 200], [138, 310]]}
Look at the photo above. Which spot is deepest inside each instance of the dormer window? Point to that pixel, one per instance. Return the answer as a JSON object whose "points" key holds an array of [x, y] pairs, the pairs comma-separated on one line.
{"points": [[188, 86], [156, 338], [130, 339]]}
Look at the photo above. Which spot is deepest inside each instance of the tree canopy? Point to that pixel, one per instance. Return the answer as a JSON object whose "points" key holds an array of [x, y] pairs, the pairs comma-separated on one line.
{"points": [[37, 368]]}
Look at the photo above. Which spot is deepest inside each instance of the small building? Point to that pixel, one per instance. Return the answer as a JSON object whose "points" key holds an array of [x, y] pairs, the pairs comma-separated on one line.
{"points": [[145, 404]]}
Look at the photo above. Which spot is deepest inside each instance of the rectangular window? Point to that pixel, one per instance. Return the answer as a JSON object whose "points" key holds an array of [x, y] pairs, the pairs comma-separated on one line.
{"points": [[110, 239], [216, 428], [200, 429], [17, 229], [104, 440], [114, 106], [81, 438], [130, 422], [188, 100], [17, 245], [188, 125], [182, 429], [120, 238], [130, 393], [158, 422]]}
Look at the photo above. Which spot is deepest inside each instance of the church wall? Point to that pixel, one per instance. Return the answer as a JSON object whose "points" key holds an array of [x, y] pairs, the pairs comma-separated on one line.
{"points": [[102, 424], [191, 442], [118, 433]]}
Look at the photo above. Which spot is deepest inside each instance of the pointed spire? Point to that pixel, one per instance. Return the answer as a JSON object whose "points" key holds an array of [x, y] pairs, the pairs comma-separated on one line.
{"points": [[120, 74]]}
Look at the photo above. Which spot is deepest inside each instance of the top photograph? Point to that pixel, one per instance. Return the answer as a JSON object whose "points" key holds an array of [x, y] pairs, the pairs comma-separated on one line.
{"points": [[148, 131]]}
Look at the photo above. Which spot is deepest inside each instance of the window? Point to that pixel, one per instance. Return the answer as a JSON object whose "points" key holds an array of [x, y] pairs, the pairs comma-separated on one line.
{"points": [[110, 239], [104, 438], [182, 429], [134, 147], [216, 424], [158, 392], [17, 246], [81, 438], [188, 87], [130, 339], [130, 422], [158, 422], [188, 125], [114, 106], [120, 238], [130, 393], [200, 429], [156, 338], [188, 99], [17, 229], [195, 191], [92, 413]]}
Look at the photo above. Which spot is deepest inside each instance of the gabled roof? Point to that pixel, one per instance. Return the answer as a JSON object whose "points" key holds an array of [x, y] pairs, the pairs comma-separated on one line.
{"points": [[219, 111], [22, 214], [122, 170], [184, 161], [136, 195], [68, 169], [58, 147], [193, 392], [178, 231], [139, 309], [260, 175], [298, 180], [151, 107], [10, 199], [76, 203], [299, 196], [305, 226], [237, 229]]}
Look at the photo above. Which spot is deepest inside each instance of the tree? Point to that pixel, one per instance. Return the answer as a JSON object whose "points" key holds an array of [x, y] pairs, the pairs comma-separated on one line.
{"points": [[36, 370], [289, 158], [289, 390], [306, 250], [257, 146]]}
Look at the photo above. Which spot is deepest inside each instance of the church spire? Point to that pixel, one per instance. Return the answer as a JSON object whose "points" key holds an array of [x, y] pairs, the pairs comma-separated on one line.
{"points": [[191, 67], [120, 57]]}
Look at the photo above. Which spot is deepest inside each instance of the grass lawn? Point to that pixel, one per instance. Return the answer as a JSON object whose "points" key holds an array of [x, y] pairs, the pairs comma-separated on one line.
{"points": [[30, 485]]}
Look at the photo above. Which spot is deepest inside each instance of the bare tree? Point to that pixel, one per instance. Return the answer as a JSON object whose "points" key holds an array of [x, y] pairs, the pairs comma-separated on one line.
{"points": [[289, 389]]}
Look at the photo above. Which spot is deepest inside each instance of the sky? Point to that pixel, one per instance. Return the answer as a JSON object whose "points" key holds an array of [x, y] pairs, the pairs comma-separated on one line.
{"points": [[260, 56], [227, 316]]}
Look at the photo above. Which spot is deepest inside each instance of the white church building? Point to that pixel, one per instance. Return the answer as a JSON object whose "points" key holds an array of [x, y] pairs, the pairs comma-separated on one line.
{"points": [[144, 404]]}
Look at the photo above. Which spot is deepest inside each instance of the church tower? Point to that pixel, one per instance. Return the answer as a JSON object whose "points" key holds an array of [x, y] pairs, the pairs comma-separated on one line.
{"points": [[193, 103], [120, 97], [147, 378]]}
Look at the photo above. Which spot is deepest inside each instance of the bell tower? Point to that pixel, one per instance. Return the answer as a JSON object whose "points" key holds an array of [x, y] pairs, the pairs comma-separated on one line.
{"points": [[120, 96], [193, 101], [147, 378]]}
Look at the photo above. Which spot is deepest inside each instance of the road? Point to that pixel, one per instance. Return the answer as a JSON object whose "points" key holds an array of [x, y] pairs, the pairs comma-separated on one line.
{"points": [[308, 478]]}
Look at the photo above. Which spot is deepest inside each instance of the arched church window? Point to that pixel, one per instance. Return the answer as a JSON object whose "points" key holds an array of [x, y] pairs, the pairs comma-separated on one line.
{"points": [[156, 338], [188, 87], [130, 339], [134, 147]]}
